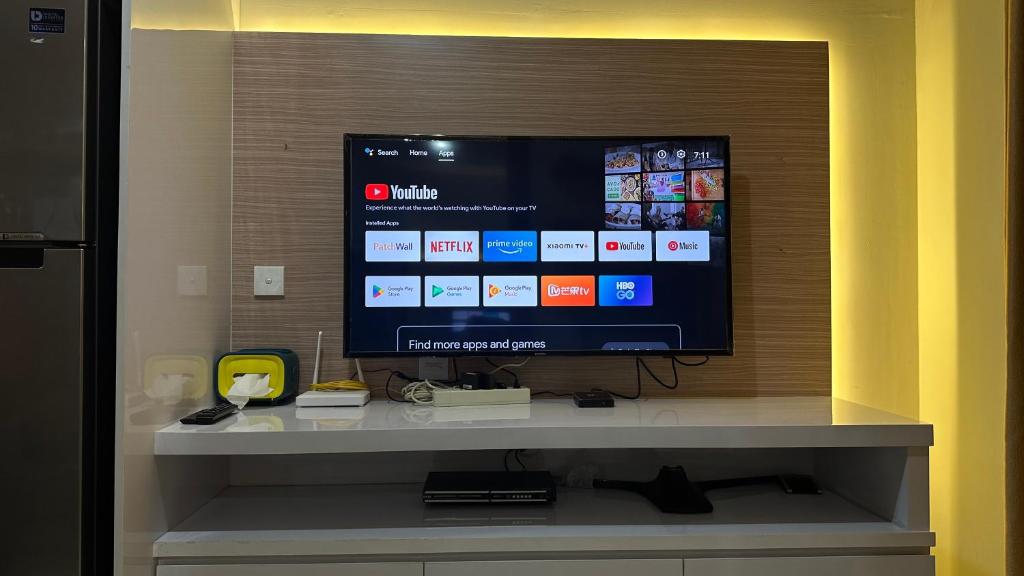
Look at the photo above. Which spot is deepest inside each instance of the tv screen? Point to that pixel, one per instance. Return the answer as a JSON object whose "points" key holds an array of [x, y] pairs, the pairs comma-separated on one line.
{"points": [[521, 245]]}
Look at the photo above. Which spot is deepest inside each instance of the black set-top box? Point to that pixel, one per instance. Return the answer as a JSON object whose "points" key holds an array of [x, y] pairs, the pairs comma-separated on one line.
{"points": [[522, 487], [595, 399]]}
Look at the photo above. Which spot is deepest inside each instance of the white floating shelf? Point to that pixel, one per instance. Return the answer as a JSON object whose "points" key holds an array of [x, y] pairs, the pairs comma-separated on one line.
{"points": [[381, 426], [328, 521]]}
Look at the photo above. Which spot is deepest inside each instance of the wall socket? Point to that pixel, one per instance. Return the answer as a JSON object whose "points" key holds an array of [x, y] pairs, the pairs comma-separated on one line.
{"points": [[434, 368], [268, 281]]}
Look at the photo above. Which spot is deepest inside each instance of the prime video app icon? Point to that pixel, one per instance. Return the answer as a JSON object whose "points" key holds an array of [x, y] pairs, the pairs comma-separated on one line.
{"points": [[510, 246]]}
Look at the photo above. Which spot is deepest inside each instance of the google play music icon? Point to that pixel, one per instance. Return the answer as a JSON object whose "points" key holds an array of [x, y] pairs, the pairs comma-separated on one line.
{"points": [[503, 291]]}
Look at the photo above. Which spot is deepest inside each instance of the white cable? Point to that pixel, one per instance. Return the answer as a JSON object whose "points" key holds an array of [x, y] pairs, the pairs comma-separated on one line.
{"points": [[503, 366], [421, 392]]}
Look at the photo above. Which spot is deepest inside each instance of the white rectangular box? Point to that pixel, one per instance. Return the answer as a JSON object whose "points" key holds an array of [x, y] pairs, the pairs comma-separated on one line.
{"points": [[458, 397], [392, 246], [566, 246], [510, 291], [683, 246], [451, 246], [451, 291], [392, 292], [613, 246], [333, 398]]}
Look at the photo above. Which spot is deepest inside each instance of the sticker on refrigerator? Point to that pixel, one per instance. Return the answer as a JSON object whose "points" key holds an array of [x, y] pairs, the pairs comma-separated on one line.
{"points": [[46, 20]]}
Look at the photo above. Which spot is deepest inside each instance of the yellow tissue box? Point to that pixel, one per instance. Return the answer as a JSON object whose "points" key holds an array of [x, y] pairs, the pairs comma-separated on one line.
{"points": [[281, 364]]}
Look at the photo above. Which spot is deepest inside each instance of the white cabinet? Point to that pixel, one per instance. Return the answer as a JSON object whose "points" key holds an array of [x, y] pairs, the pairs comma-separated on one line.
{"points": [[557, 568], [342, 500], [328, 569], [804, 566], [821, 566]]}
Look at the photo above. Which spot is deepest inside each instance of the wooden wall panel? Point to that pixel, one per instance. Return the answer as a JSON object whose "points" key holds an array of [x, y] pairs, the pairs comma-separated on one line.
{"points": [[296, 94]]}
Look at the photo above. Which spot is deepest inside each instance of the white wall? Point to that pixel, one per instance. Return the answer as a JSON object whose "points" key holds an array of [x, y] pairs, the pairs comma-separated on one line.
{"points": [[175, 211]]}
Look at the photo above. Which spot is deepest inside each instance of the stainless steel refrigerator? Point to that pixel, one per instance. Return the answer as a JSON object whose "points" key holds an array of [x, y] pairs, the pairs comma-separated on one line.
{"points": [[59, 94]]}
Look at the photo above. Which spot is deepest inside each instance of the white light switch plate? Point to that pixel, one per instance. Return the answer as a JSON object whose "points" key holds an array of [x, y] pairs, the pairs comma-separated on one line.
{"points": [[191, 280], [268, 281]]}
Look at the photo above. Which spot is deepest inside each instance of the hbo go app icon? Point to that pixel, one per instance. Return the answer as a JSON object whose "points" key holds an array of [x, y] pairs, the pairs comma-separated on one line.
{"points": [[626, 291]]}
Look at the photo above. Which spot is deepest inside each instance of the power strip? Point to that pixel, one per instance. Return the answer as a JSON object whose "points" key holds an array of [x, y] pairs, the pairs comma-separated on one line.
{"points": [[457, 397]]}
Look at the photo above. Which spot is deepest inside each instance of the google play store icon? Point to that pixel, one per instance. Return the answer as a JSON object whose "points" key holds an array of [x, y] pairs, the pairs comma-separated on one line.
{"points": [[392, 292]]}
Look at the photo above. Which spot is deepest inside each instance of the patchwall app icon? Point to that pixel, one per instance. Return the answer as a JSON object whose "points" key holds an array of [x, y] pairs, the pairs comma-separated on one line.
{"points": [[510, 246], [377, 192], [392, 246], [625, 291]]}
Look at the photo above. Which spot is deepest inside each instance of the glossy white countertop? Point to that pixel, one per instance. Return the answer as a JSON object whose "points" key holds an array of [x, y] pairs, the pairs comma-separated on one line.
{"points": [[261, 521], [382, 426]]}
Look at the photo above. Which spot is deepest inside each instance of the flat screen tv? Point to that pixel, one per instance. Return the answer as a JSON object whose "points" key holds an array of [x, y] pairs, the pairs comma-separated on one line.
{"points": [[488, 246]]}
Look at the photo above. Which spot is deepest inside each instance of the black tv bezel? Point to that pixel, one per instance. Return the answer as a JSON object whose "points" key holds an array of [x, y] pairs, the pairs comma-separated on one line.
{"points": [[346, 285]]}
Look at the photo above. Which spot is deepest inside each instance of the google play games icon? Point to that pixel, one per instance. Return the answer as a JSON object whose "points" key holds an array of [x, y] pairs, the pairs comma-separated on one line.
{"points": [[436, 291], [377, 291]]}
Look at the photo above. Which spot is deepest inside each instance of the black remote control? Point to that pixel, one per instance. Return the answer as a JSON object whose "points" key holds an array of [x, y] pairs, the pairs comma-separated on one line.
{"points": [[210, 415]]}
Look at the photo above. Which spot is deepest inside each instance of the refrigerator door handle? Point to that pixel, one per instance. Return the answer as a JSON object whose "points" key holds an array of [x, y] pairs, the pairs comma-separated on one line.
{"points": [[22, 258]]}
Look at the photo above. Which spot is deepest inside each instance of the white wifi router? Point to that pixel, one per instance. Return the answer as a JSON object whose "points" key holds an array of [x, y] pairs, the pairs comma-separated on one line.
{"points": [[333, 398]]}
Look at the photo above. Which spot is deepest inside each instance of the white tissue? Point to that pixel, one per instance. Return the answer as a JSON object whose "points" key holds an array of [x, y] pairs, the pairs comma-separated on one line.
{"points": [[169, 387], [248, 386]]}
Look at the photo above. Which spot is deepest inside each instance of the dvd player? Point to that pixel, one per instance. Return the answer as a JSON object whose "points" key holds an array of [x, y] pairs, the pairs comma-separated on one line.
{"points": [[521, 487]]}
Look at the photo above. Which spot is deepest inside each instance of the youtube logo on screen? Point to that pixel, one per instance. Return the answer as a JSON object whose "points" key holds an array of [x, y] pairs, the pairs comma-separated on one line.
{"points": [[377, 191], [615, 246]]}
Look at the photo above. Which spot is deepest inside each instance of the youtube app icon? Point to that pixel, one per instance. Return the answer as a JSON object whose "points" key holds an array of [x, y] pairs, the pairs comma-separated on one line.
{"points": [[616, 246], [377, 192]]}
